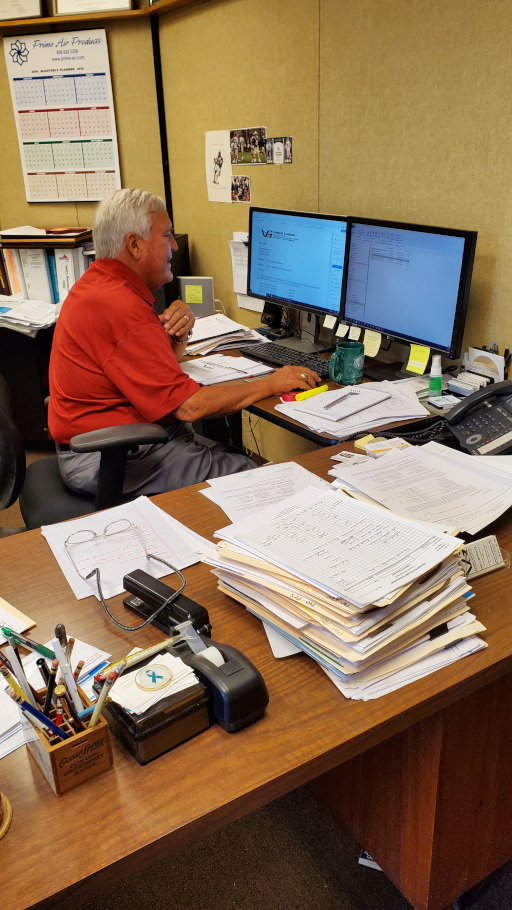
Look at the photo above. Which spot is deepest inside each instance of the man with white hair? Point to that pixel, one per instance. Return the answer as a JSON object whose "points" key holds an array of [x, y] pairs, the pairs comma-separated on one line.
{"points": [[115, 362]]}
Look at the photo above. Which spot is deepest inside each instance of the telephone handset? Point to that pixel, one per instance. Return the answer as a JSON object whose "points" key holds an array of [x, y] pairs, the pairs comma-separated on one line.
{"points": [[482, 423]]}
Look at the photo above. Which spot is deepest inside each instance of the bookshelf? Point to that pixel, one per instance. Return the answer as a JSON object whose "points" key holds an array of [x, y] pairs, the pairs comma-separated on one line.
{"points": [[11, 26]]}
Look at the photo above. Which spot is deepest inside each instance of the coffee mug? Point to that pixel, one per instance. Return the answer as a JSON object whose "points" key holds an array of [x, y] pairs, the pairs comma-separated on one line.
{"points": [[346, 364]]}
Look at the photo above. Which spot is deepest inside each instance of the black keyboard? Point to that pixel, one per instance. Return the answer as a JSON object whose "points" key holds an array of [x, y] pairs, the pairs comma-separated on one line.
{"points": [[278, 355]]}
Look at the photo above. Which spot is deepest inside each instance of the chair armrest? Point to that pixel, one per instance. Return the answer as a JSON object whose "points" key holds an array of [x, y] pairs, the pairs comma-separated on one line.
{"points": [[127, 436]]}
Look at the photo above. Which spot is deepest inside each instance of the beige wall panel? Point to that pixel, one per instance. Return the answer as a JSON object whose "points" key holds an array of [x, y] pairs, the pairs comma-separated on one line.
{"points": [[229, 65], [415, 124], [137, 132]]}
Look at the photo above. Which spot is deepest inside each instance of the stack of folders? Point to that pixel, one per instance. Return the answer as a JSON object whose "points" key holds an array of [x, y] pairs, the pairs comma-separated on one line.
{"points": [[219, 333], [376, 599]]}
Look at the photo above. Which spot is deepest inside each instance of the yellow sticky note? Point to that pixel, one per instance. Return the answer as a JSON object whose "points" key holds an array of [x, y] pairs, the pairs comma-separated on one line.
{"points": [[418, 359], [360, 443], [342, 330], [354, 332], [193, 293], [371, 342]]}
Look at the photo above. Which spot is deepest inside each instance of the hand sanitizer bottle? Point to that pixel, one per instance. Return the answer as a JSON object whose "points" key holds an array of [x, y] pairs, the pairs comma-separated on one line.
{"points": [[435, 381]]}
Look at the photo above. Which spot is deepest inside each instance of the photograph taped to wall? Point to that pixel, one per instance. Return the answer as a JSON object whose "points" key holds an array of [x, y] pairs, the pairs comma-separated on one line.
{"points": [[241, 188], [63, 105], [218, 166], [279, 150], [247, 145]]}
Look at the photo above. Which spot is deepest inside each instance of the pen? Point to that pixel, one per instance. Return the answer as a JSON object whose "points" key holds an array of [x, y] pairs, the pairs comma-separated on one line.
{"points": [[51, 686], [38, 724], [20, 676], [345, 393], [65, 669], [41, 717], [9, 678], [28, 643], [43, 669], [301, 395], [60, 633], [61, 695], [107, 685]]}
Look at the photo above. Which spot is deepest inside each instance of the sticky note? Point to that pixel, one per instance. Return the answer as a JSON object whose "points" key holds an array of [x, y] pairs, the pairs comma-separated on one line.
{"points": [[354, 332], [194, 293], [371, 342], [418, 359], [329, 322], [342, 330]]}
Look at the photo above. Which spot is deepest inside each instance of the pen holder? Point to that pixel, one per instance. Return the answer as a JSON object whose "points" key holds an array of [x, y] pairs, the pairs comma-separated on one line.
{"points": [[71, 761]]}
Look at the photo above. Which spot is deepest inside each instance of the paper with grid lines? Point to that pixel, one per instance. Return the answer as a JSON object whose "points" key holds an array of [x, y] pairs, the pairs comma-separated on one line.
{"points": [[349, 549]]}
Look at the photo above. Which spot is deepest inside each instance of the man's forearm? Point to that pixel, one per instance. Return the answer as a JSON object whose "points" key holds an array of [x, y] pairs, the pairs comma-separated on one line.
{"points": [[221, 400]]}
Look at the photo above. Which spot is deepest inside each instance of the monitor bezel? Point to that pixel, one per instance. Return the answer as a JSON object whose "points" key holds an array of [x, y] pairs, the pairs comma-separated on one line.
{"points": [[283, 301], [466, 273]]}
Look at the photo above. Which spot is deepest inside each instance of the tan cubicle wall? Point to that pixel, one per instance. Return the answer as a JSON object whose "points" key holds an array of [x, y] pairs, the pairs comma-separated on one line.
{"points": [[133, 84], [399, 110]]}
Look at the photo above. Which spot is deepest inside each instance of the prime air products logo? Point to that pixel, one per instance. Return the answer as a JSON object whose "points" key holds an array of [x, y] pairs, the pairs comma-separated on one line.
{"points": [[266, 233], [19, 52]]}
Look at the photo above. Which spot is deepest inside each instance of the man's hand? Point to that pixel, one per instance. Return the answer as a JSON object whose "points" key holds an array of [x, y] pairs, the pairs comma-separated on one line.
{"points": [[178, 321], [287, 379]]}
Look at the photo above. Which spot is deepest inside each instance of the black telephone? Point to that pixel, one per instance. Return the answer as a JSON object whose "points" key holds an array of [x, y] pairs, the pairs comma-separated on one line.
{"points": [[482, 423]]}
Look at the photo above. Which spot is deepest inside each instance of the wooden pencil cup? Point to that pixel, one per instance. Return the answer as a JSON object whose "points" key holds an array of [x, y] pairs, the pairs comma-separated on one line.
{"points": [[71, 761]]}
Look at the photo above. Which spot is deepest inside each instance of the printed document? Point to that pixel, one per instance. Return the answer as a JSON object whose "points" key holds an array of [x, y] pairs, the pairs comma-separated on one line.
{"points": [[429, 485]]}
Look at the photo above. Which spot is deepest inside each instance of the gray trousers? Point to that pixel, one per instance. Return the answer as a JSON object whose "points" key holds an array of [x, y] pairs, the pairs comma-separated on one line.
{"points": [[185, 459]]}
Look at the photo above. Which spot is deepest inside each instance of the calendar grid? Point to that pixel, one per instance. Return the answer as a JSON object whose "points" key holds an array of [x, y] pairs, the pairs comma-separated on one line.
{"points": [[64, 113]]}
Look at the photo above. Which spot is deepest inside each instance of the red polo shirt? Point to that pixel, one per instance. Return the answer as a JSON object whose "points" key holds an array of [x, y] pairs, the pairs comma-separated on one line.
{"points": [[111, 360]]}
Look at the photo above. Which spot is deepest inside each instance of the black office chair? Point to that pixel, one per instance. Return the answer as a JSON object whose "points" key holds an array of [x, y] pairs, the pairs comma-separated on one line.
{"points": [[43, 496]]}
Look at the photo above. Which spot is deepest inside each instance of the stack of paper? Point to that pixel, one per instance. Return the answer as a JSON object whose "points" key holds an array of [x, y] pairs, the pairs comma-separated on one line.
{"points": [[452, 490], [356, 409], [26, 316], [376, 599], [223, 368], [219, 333]]}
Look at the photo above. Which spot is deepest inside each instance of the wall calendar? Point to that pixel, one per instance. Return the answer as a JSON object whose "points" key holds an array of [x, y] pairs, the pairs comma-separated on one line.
{"points": [[64, 111]]}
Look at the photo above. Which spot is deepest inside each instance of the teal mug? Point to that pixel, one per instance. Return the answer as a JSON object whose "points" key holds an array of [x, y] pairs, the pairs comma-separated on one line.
{"points": [[346, 364]]}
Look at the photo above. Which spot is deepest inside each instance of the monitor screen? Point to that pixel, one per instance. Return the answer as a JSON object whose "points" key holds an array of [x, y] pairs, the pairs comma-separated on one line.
{"points": [[410, 282], [297, 259]]}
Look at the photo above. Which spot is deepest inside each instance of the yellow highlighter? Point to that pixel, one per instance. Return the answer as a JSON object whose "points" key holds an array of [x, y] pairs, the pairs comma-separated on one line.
{"points": [[301, 395]]}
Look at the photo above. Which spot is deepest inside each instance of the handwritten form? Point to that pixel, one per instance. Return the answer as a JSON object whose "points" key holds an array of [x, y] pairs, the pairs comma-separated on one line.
{"points": [[348, 549], [239, 495]]}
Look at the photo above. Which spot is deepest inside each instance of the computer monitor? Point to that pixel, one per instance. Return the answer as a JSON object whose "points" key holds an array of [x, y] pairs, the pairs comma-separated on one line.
{"points": [[297, 259], [410, 282]]}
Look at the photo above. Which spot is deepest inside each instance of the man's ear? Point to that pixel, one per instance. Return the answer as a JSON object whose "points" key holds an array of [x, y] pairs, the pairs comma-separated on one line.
{"points": [[133, 246]]}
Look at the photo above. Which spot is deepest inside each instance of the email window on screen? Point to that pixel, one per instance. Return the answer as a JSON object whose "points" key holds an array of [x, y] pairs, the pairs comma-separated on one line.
{"points": [[299, 259], [404, 282]]}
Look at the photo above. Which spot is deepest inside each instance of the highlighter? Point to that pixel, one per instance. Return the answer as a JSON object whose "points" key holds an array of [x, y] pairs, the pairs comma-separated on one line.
{"points": [[301, 395]]}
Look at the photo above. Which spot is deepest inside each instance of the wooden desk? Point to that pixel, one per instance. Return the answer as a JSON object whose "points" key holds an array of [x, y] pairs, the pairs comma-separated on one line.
{"points": [[421, 777]]}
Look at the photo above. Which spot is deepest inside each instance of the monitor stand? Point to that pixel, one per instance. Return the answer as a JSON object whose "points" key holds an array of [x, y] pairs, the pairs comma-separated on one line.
{"points": [[378, 370], [308, 343]]}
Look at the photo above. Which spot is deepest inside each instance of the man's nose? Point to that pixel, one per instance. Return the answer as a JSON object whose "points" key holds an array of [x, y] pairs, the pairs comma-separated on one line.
{"points": [[174, 245]]}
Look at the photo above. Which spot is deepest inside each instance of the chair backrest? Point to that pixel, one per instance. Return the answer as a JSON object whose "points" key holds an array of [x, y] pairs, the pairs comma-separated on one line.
{"points": [[12, 452]]}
